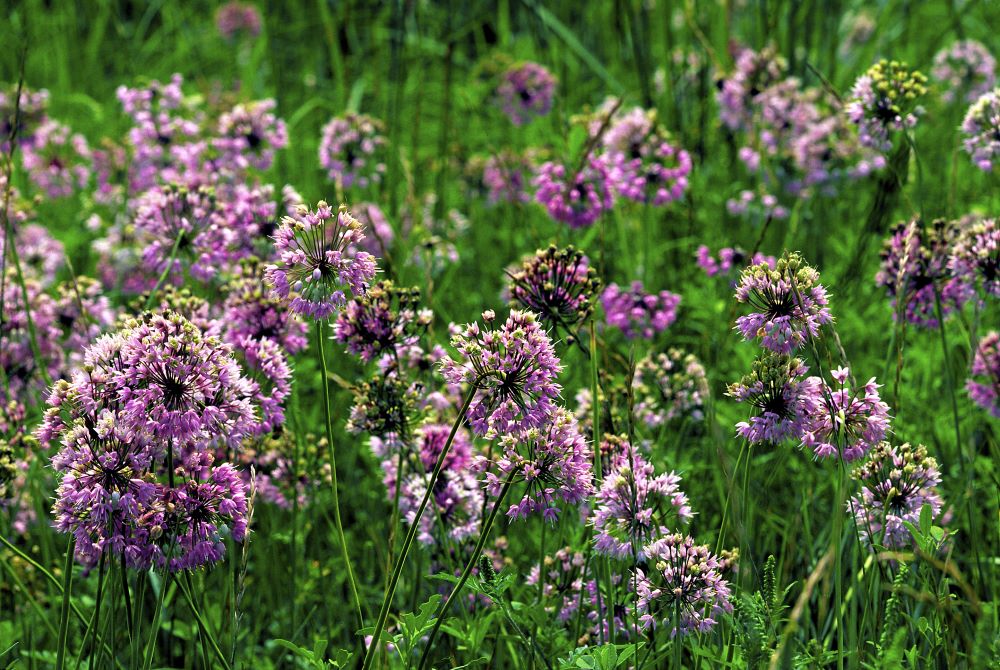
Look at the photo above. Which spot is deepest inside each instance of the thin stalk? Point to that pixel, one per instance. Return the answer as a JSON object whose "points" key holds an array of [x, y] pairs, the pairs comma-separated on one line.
{"points": [[64, 610], [332, 454], [95, 620], [127, 596], [166, 270], [206, 635], [595, 408], [467, 572], [148, 660], [404, 551], [838, 531]]}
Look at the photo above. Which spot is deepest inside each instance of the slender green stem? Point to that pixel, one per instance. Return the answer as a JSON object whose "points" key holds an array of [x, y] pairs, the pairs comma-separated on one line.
{"points": [[332, 454], [64, 610], [595, 408], [166, 271], [404, 551], [187, 591], [150, 643], [838, 532], [467, 572], [95, 619]]}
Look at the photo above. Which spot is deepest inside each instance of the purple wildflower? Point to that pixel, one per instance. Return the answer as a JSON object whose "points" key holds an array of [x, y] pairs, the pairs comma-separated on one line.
{"points": [[507, 176], [729, 259], [637, 313], [635, 505], [556, 284], [791, 304], [350, 150], [251, 312], [525, 92], [984, 382], [380, 235], [318, 261], [884, 101], [846, 423], [513, 370], [577, 200], [981, 127], [782, 398], [669, 386], [248, 135], [238, 18], [975, 256], [896, 483], [682, 586], [753, 73], [58, 162], [644, 165], [966, 70], [386, 318]]}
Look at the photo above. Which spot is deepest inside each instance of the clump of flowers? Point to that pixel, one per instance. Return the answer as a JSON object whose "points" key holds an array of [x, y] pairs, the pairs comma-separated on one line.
{"points": [[965, 69], [558, 285], [513, 370], [385, 319], [644, 165], [22, 369], [635, 505], [782, 397], [235, 18], [682, 586], [915, 270], [318, 262], [975, 256], [981, 128], [846, 423], [884, 100], [41, 255], [350, 150], [576, 199], [525, 92], [669, 386], [896, 483], [790, 303], [57, 160], [249, 134], [251, 312], [730, 258], [552, 460], [984, 383], [30, 114], [637, 313], [753, 73], [765, 204]]}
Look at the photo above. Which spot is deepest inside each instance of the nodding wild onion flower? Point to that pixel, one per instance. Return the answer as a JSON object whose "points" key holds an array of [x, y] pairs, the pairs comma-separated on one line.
{"points": [[251, 312], [782, 396], [384, 321], [984, 381], [681, 586], [790, 303], [238, 18], [248, 135], [577, 199], [966, 70], [644, 165], [558, 285], [57, 161], [525, 92], [637, 313], [753, 73], [553, 461], [513, 370], [896, 482], [981, 130], [350, 150], [975, 256], [669, 386], [318, 261], [635, 505], [845, 422], [914, 269], [884, 101]]}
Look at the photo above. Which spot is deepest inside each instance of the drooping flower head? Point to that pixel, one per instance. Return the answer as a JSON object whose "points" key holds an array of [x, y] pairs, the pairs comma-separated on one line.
{"points": [[575, 198], [984, 382], [781, 396], [525, 92], [975, 256], [556, 284], [846, 422], [238, 18], [350, 150], [553, 461], [914, 269], [645, 166], [981, 130], [669, 386], [637, 313], [885, 100], [635, 505], [385, 319], [248, 135], [682, 587], [513, 370], [896, 483], [318, 261], [965, 70], [790, 303]]}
